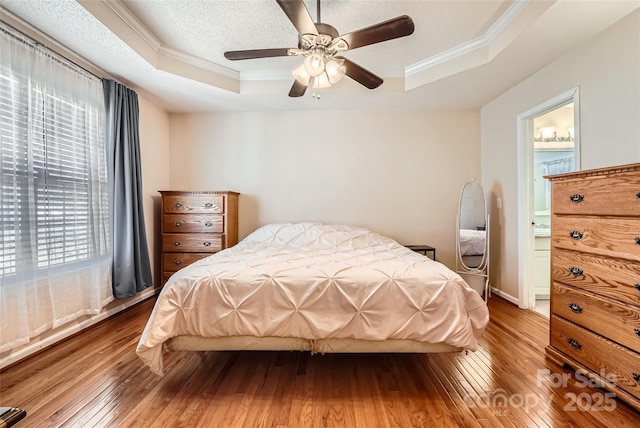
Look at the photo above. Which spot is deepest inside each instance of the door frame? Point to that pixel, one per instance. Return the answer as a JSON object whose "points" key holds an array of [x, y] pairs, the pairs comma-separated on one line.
{"points": [[526, 242]]}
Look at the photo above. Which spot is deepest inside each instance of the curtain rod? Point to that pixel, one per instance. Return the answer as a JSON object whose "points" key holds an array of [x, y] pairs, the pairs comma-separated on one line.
{"points": [[22, 23], [55, 56]]}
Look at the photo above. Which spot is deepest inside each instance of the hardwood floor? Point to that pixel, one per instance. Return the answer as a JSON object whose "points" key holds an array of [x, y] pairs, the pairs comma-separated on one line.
{"points": [[95, 379]]}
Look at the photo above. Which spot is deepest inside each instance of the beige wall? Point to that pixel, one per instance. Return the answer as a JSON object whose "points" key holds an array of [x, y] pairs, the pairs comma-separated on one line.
{"points": [[398, 173], [607, 72], [154, 149]]}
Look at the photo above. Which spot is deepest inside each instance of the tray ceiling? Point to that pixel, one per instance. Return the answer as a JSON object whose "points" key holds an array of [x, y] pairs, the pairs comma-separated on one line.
{"points": [[461, 55]]}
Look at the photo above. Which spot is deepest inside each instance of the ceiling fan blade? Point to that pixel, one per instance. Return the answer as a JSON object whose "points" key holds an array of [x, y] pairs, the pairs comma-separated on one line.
{"points": [[298, 89], [387, 30], [299, 16], [361, 75], [256, 53]]}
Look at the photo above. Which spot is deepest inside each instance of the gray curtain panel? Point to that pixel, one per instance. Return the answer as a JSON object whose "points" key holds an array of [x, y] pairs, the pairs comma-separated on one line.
{"points": [[131, 266]]}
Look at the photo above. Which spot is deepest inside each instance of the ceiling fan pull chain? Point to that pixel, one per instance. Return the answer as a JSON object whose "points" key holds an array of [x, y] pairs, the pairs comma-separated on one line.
{"points": [[315, 87]]}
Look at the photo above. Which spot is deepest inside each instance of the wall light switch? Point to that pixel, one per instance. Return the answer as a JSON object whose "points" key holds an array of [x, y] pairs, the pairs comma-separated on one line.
{"points": [[499, 203]]}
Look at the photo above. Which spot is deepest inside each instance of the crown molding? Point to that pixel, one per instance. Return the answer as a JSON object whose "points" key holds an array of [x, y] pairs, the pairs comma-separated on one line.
{"points": [[516, 8], [131, 21], [124, 24], [181, 56], [481, 50], [446, 56], [150, 39], [489, 36]]}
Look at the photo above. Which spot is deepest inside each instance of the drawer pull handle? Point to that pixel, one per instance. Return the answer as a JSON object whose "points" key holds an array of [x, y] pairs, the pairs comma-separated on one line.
{"points": [[637, 331], [575, 308], [637, 240], [177, 224], [574, 234], [638, 195], [176, 243], [208, 205], [177, 262], [574, 343], [208, 224], [206, 243], [576, 199], [637, 285], [575, 271], [636, 376], [178, 205]]}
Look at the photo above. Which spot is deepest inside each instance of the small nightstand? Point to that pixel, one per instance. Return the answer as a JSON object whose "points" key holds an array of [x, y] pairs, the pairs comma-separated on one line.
{"points": [[424, 249]]}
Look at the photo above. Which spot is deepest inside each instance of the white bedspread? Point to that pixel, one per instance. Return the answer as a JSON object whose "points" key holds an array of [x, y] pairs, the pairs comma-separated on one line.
{"points": [[315, 281]]}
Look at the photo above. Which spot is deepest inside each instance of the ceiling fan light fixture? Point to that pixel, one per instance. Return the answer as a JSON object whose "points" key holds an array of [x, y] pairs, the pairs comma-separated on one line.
{"points": [[301, 75], [335, 70], [314, 64]]}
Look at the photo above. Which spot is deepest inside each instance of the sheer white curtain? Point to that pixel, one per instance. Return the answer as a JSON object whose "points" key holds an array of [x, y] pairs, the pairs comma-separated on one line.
{"points": [[54, 216]]}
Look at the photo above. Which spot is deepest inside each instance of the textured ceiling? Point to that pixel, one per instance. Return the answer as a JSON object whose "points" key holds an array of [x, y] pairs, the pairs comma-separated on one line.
{"points": [[461, 55], [235, 25]]}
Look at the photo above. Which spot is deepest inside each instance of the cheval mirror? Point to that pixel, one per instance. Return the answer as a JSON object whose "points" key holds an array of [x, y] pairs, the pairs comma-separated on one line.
{"points": [[472, 237]]}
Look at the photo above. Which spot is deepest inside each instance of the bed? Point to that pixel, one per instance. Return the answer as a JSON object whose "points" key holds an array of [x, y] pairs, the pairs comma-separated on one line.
{"points": [[318, 288]]}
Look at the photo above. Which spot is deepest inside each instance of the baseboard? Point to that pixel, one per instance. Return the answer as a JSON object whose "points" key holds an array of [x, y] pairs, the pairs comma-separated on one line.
{"points": [[505, 296], [73, 328]]}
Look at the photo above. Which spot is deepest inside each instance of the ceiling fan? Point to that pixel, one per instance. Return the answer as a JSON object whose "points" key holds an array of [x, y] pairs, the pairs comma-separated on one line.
{"points": [[320, 44]]}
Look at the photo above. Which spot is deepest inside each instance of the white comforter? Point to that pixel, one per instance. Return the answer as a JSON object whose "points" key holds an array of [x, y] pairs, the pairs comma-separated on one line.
{"points": [[315, 281]]}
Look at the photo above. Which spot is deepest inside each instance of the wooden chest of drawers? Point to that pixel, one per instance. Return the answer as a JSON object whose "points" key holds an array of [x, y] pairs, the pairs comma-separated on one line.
{"points": [[195, 225], [595, 273]]}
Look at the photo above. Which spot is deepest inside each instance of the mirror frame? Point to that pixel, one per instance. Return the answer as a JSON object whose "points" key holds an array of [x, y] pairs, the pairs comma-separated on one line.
{"points": [[482, 269]]}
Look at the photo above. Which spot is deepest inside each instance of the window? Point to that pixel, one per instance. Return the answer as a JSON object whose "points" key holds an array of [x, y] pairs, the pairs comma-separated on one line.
{"points": [[54, 203], [45, 179]]}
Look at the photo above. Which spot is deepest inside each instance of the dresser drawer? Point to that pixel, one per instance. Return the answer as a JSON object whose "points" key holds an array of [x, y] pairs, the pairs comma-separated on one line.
{"points": [[600, 355], [194, 204], [192, 243], [176, 261], [189, 223], [607, 236], [617, 321], [612, 278], [596, 195]]}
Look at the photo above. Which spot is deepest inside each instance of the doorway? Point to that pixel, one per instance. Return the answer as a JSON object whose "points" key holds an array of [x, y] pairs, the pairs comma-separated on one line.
{"points": [[548, 143]]}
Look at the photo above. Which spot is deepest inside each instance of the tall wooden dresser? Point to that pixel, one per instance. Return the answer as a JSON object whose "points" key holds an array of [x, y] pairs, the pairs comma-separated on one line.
{"points": [[595, 272], [196, 225]]}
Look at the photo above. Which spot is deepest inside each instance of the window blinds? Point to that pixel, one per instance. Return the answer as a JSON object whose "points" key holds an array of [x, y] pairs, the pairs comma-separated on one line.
{"points": [[48, 170]]}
